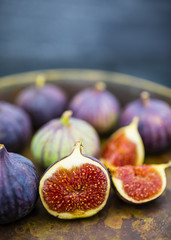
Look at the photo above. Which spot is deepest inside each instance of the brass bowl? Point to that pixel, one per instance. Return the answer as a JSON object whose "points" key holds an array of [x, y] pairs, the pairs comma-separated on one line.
{"points": [[117, 220]]}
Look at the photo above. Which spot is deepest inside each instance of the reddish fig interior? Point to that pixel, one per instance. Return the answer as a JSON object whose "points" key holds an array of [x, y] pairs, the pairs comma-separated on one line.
{"points": [[140, 182], [79, 188], [120, 151]]}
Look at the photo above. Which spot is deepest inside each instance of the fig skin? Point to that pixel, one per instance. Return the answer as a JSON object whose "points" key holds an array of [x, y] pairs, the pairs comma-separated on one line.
{"points": [[124, 147], [98, 107], [15, 127], [139, 195], [81, 186], [19, 183], [56, 139], [42, 102], [155, 122]]}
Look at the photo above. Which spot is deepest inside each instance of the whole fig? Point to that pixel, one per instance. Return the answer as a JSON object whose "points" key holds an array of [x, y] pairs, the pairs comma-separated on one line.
{"points": [[56, 139], [97, 106], [154, 122], [15, 127], [19, 182], [76, 186], [42, 102]]}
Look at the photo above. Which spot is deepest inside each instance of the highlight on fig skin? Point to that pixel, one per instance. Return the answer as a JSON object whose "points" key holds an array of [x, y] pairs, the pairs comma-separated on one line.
{"points": [[139, 184], [77, 186], [125, 146]]}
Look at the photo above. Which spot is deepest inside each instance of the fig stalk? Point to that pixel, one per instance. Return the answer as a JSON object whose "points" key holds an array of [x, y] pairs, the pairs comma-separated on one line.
{"points": [[40, 81], [145, 97], [65, 117]]}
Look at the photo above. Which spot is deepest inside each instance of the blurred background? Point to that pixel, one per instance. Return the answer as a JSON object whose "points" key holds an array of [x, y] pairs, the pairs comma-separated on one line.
{"points": [[127, 36]]}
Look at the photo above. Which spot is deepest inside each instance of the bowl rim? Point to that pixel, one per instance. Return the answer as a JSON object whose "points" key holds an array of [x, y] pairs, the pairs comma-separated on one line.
{"points": [[85, 74]]}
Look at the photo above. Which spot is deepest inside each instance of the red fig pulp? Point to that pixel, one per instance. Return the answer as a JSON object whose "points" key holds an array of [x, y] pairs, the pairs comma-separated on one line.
{"points": [[139, 184], [124, 147], [76, 186]]}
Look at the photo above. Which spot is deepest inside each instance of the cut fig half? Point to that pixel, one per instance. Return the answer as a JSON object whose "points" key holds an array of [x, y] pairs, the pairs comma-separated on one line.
{"points": [[139, 184], [76, 186], [125, 146]]}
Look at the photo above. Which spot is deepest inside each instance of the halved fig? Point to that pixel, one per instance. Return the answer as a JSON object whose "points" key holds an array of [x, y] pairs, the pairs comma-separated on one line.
{"points": [[125, 146], [76, 186], [139, 184]]}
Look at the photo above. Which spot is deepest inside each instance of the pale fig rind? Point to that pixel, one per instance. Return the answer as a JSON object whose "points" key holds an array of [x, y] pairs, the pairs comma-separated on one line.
{"points": [[15, 127], [120, 187], [98, 107], [131, 134], [154, 122], [56, 139], [43, 102], [76, 201], [19, 183]]}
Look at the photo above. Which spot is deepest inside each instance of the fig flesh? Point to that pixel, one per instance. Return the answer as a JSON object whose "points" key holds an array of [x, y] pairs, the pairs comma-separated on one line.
{"points": [[139, 184], [124, 147], [42, 101], [19, 183], [56, 139], [15, 127], [76, 186], [98, 107], [154, 122]]}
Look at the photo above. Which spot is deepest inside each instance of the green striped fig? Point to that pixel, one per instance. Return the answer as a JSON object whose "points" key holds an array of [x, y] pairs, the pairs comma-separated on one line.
{"points": [[56, 139]]}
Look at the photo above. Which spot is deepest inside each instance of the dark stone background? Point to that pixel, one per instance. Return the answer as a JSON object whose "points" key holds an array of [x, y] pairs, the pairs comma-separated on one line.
{"points": [[129, 36]]}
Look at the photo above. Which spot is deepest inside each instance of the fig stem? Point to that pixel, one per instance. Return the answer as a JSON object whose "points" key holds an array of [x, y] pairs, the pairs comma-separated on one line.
{"points": [[145, 96], [40, 80], [135, 122], [65, 117], [100, 86], [77, 147], [166, 165]]}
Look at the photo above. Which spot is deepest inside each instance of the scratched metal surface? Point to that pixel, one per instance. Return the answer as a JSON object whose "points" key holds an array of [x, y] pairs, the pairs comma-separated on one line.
{"points": [[118, 220]]}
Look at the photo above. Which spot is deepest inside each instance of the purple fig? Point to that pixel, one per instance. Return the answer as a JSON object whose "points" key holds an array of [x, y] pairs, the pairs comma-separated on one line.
{"points": [[15, 127], [97, 106], [42, 102], [154, 122], [19, 182]]}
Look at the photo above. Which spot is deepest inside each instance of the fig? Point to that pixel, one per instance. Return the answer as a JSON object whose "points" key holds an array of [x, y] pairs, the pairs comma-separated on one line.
{"points": [[97, 106], [19, 182], [56, 139], [15, 127], [155, 122], [42, 101], [125, 146], [76, 186], [139, 184]]}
